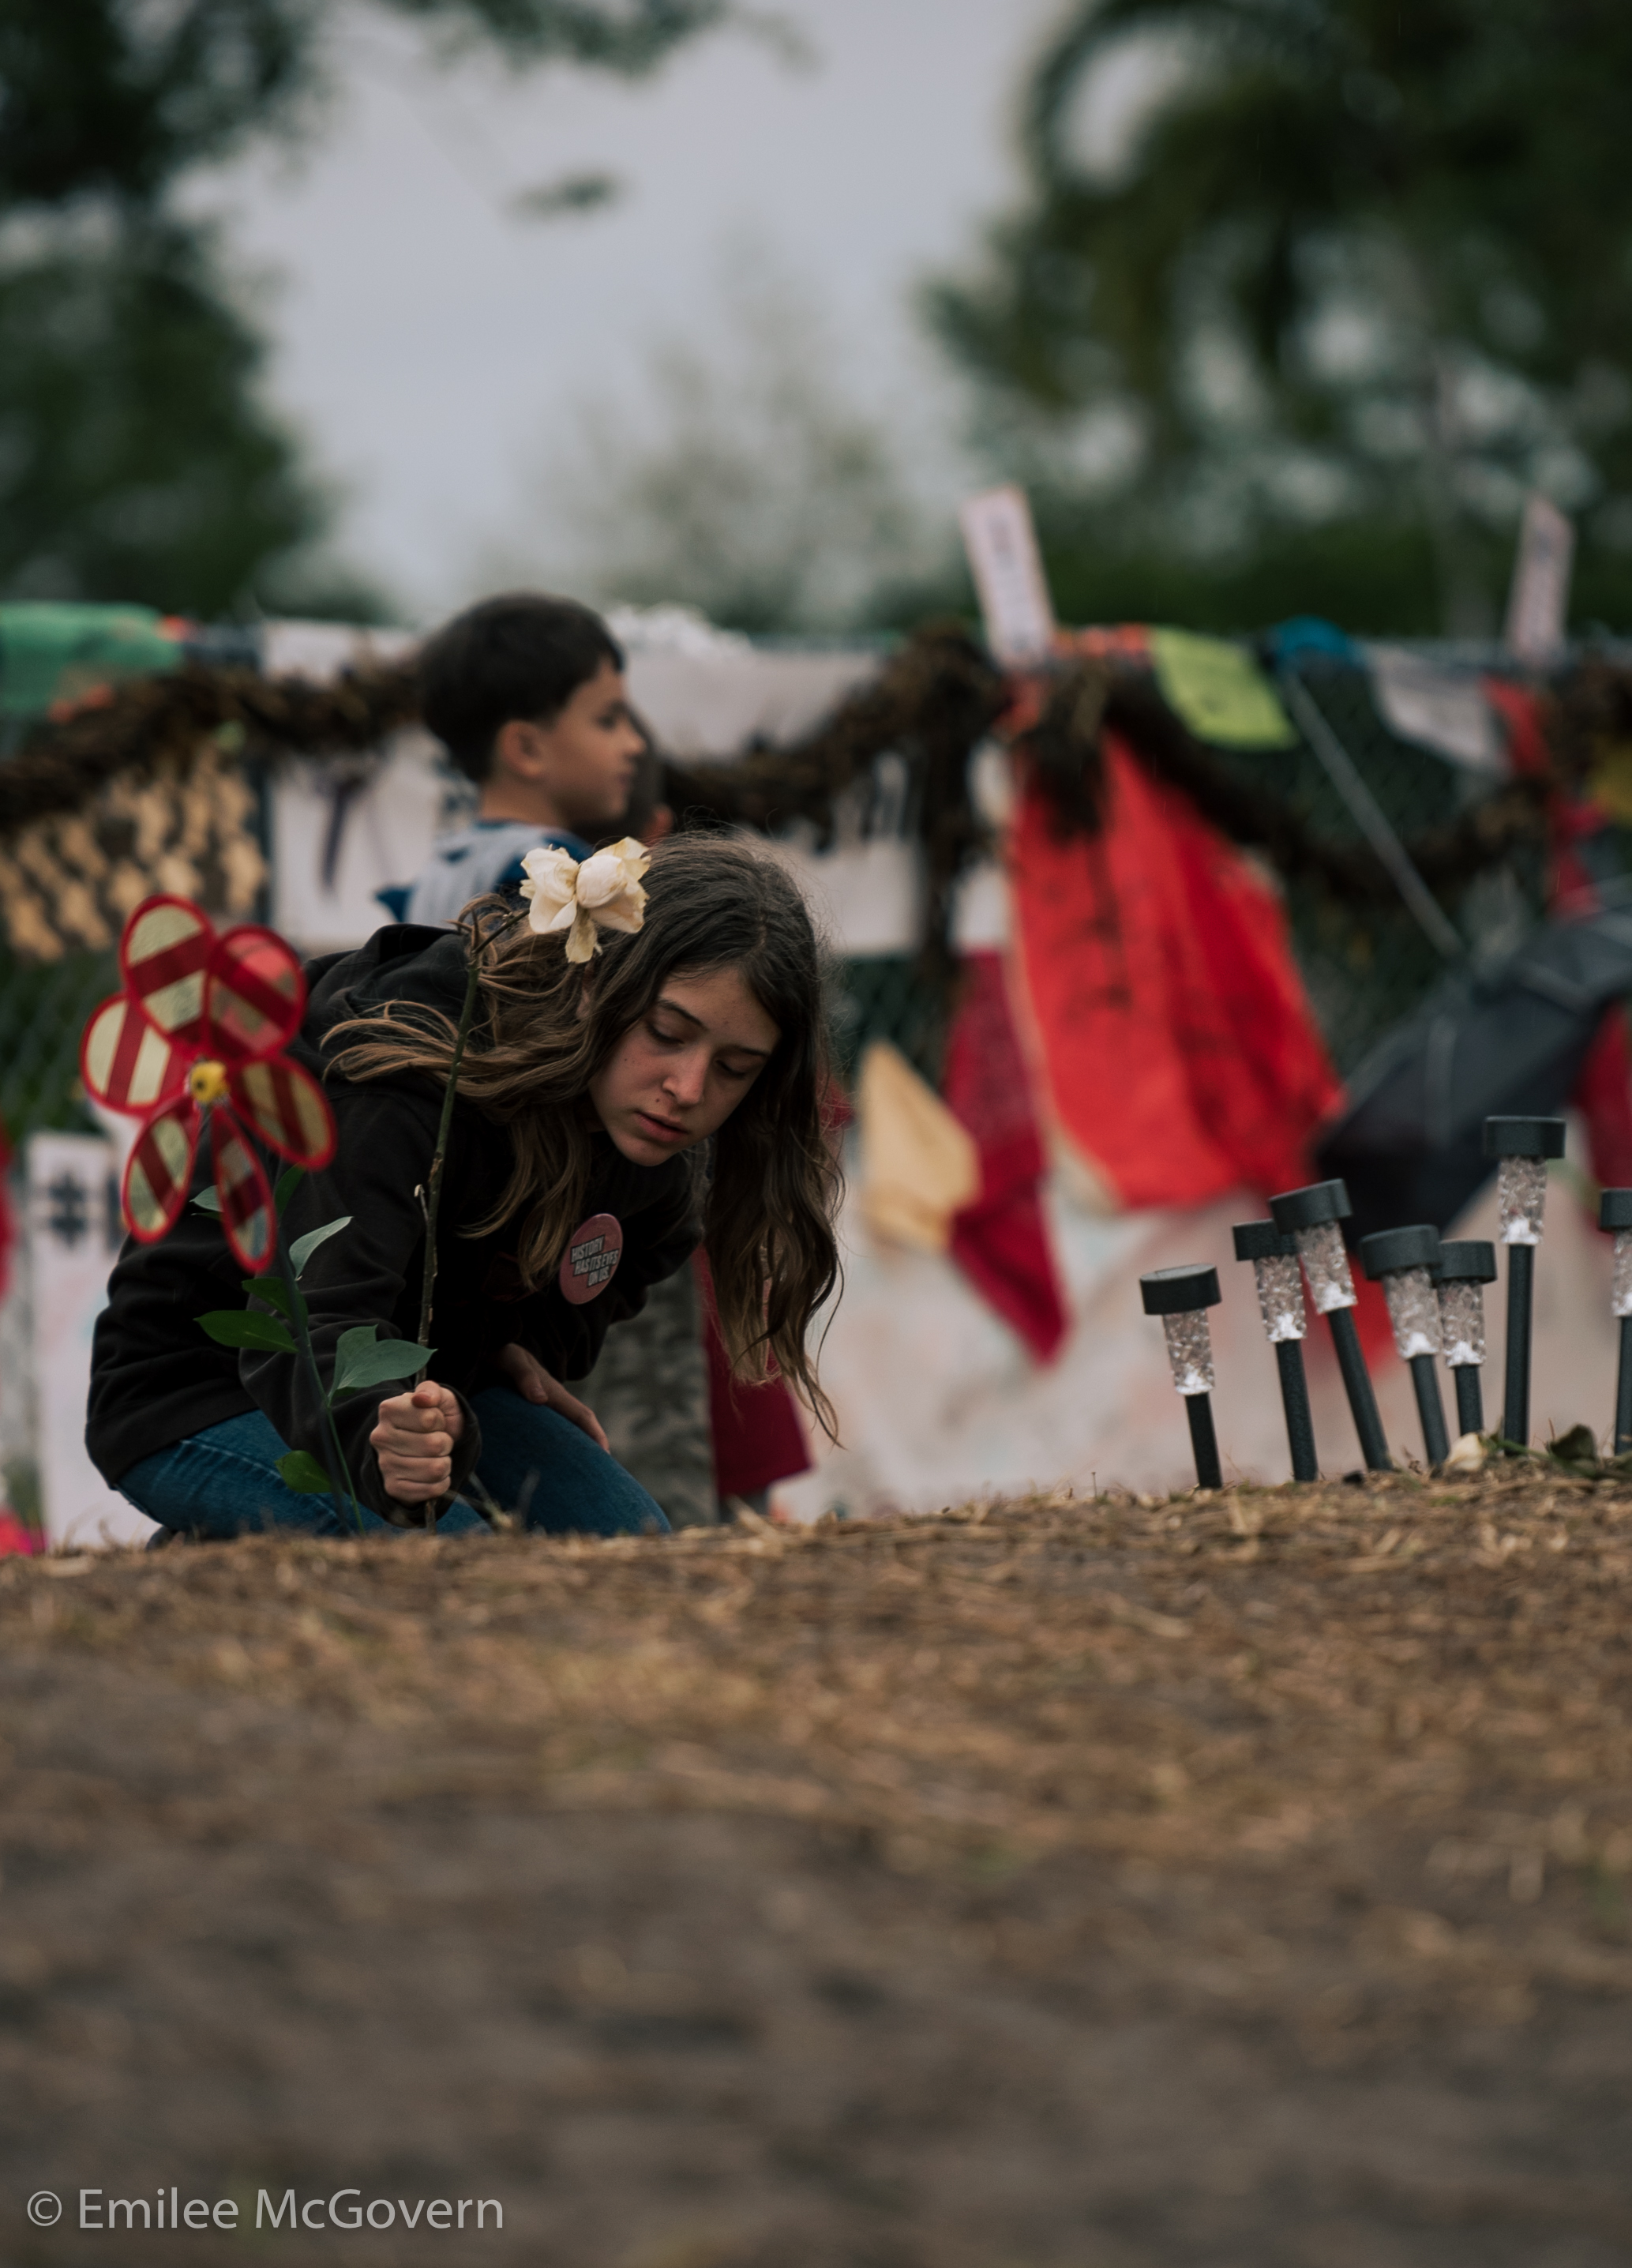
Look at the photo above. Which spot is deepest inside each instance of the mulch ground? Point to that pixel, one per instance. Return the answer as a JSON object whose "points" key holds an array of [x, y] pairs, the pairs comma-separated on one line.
{"points": [[1061, 1884]]}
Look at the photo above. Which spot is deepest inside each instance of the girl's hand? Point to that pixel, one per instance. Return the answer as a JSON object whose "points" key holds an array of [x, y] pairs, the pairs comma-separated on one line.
{"points": [[527, 1374], [414, 1441]]}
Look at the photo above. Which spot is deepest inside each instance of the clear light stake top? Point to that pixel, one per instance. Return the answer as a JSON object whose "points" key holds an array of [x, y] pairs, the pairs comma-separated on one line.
{"points": [[1621, 1295], [1462, 1324], [1413, 1310], [1190, 1350], [1521, 1199], [1326, 1264], [1281, 1296]]}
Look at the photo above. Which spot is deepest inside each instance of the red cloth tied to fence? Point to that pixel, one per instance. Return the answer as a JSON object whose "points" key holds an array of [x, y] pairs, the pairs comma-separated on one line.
{"points": [[1603, 1095], [1001, 1241], [1603, 1088], [1182, 1057], [758, 1439]]}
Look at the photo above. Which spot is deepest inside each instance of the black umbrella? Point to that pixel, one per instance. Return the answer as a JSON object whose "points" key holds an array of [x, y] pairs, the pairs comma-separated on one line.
{"points": [[1504, 1041]]}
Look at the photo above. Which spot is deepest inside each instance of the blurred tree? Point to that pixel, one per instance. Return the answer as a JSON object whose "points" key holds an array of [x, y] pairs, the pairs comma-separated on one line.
{"points": [[1352, 276], [137, 457], [741, 477]]}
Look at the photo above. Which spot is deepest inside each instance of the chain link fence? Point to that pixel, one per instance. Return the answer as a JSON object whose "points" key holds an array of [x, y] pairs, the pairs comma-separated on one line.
{"points": [[43, 1007], [1364, 969]]}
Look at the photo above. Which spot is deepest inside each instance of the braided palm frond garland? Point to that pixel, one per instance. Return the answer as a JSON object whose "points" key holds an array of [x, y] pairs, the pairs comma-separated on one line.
{"points": [[1063, 750], [145, 788]]}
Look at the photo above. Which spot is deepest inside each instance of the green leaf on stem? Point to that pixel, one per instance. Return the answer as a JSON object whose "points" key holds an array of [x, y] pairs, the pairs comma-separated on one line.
{"points": [[207, 1201], [235, 1327], [301, 1471], [273, 1290], [286, 1189], [361, 1359], [303, 1248]]}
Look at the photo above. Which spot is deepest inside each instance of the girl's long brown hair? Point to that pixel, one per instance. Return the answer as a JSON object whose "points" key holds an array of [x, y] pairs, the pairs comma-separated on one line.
{"points": [[543, 1032]]}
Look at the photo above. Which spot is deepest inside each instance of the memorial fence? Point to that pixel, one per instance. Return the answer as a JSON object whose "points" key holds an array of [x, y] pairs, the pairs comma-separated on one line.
{"points": [[1364, 967]]}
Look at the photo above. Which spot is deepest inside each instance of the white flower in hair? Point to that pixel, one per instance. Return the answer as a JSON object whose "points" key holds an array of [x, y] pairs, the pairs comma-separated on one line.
{"points": [[603, 892]]}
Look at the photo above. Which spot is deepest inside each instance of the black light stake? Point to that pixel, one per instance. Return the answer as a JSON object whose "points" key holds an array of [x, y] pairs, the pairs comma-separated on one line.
{"points": [[1524, 1146], [1311, 1216], [1465, 1268], [1614, 1210], [1403, 1261], [1274, 1255], [1182, 1297]]}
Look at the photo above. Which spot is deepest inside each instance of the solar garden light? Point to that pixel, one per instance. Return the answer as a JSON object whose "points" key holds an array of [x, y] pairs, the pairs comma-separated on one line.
{"points": [[1524, 1146], [1182, 1297], [1274, 1255], [1403, 1262], [1465, 1269], [1311, 1217], [1614, 1210]]}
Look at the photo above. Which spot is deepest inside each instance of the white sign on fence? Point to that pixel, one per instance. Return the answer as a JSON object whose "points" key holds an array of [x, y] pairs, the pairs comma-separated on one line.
{"points": [[1008, 570], [74, 1232], [1539, 605], [1436, 708]]}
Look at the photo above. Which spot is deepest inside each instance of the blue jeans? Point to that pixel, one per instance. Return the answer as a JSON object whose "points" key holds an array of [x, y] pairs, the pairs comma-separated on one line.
{"points": [[223, 1481]]}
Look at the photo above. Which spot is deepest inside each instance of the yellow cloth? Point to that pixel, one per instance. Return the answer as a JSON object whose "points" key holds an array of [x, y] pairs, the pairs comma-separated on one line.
{"points": [[1611, 780], [918, 1165], [1220, 691]]}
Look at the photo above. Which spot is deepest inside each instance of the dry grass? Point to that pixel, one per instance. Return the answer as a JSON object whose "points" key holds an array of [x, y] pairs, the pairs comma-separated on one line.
{"points": [[1209, 1811]]}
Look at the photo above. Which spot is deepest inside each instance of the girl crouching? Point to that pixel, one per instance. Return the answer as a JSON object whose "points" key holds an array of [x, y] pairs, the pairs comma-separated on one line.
{"points": [[611, 1113]]}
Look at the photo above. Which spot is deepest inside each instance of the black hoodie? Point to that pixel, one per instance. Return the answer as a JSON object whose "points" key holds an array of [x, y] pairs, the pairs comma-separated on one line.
{"points": [[156, 1378]]}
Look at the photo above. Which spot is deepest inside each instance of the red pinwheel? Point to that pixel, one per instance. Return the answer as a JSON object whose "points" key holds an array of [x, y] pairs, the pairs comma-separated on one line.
{"points": [[199, 1027]]}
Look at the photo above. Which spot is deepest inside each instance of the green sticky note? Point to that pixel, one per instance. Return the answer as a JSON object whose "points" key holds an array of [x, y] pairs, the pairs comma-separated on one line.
{"points": [[1220, 691], [51, 652]]}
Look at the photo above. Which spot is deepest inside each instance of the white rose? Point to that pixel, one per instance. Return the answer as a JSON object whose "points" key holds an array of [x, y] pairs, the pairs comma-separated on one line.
{"points": [[605, 891]]}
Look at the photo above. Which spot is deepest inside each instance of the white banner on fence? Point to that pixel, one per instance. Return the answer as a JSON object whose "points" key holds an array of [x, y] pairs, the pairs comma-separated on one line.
{"points": [[717, 704], [1436, 708], [345, 827], [73, 1234]]}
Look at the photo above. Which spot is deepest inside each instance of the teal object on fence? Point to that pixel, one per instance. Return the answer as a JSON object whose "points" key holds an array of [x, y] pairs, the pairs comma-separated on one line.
{"points": [[51, 652]]}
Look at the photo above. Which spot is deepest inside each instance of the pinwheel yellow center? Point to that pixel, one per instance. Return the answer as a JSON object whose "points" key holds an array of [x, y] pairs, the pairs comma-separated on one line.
{"points": [[207, 1083]]}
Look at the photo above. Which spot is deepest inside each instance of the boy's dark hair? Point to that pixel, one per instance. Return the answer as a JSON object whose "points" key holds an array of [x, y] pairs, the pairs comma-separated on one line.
{"points": [[518, 655]]}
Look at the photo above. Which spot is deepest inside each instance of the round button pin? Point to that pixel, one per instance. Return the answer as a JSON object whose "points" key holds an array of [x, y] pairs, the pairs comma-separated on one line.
{"points": [[590, 1260]]}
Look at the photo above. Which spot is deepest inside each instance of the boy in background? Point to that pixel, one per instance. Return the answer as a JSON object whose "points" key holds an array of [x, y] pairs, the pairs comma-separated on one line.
{"points": [[526, 694]]}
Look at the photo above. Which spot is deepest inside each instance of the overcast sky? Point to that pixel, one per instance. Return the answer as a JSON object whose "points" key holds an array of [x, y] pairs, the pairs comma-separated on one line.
{"points": [[432, 345]]}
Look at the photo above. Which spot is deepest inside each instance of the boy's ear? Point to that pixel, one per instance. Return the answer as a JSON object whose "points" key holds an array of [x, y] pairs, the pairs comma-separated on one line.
{"points": [[518, 750]]}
